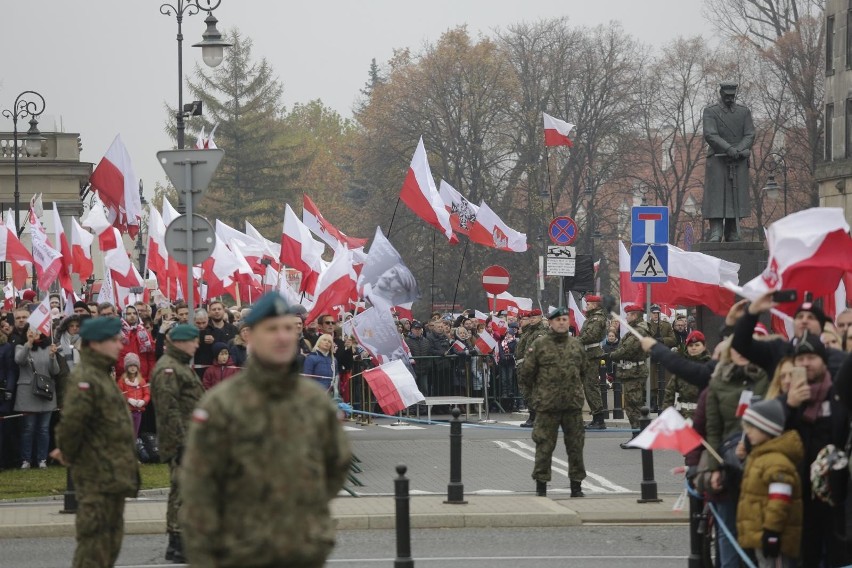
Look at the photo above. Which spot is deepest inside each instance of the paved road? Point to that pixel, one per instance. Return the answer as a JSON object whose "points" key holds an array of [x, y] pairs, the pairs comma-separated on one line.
{"points": [[497, 458], [591, 547]]}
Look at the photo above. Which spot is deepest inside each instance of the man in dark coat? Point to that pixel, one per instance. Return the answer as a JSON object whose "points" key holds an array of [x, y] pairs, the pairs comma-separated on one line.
{"points": [[729, 133]]}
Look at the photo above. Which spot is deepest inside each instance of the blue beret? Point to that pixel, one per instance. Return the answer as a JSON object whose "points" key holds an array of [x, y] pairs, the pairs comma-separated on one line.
{"points": [[270, 305], [100, 329], [183, 332]]}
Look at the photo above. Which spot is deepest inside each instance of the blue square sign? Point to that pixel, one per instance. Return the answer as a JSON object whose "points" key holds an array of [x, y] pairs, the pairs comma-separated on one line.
{"points": [[649, 264], [650, 225]]}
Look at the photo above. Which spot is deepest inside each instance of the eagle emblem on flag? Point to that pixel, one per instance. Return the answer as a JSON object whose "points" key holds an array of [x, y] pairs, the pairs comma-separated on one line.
{"points": [[464, 212]]}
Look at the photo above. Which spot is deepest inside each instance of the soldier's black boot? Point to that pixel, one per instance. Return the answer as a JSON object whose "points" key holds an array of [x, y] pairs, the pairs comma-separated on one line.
{"points": [[530, 421], [715, 231], [541, 488], [597, 422], [577, 489], [732, 235], [170, 548], [179, 557]]}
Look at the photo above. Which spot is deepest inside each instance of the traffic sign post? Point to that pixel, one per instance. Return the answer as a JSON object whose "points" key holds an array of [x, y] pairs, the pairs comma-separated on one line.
{"points": [[495, 280], [649, 264], [202, 236], [563, 231], [190, 172], [561, 260], [650, 225]]}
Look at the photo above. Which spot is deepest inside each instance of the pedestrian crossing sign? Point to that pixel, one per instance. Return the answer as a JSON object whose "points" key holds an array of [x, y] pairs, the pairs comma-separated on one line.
{"points": [[649, 264]]}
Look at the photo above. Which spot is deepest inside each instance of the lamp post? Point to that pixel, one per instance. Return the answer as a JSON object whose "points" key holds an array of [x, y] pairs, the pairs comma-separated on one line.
{"points": [[140, 241], [771, 188], [28, 103]]}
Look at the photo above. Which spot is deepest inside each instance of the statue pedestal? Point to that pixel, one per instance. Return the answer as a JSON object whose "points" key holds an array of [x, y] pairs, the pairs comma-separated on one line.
{"points": [[751, 256]]}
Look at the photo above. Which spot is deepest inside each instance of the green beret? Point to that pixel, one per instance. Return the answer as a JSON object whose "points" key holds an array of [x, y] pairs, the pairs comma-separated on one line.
{"points": [[183, 332], [100, 329], [270, 305], [563, 311]]}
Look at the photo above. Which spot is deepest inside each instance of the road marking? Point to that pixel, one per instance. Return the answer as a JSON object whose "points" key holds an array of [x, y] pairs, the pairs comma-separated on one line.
{"points": [[401, 427], [456, 559], [599, 478], [513, 422], [351, 429]]}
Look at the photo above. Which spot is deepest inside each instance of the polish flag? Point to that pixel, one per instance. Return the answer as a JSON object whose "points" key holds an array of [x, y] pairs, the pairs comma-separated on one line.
{"points": [[41, 319], [272, 251], [67, 259], [48, 260], [668, 431], [485, 343], [301, 251], [9, 296], [576, 313], [505, 301], [81, 250], [12, 250], [393, 386], [335, 285], [332, 236], [556, 131], [116, 183], [462, 212], [744, 403], [491, 231], [479, 316], [809, 251], [403, 311], [459, 346], [112, 246], [252, 249], [628, 291], [421, 196], [157, 259]]}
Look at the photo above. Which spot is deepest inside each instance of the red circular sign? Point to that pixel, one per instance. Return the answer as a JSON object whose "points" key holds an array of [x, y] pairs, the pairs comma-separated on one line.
{"points": [[563, 231], [495, 279]]}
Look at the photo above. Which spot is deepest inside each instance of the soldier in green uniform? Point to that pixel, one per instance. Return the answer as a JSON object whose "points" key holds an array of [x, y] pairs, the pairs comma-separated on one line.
{"points": [[632, 368], [534, 328], [663, 332], [551, 375], [175, 391], [682, 394], [591, 336], [95, 439], [266, 454]]}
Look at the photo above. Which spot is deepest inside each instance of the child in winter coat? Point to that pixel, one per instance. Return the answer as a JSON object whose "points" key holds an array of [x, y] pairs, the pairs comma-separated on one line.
{"points": [[769, 514], [222, 368], [135, 389]]}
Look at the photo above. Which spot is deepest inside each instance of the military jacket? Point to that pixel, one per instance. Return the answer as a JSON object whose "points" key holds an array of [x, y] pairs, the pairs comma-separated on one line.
{"points": [[551, 373], [682, 394], [593, 332], [265, 455], [95, 433], [629, 357], [175, 391], [529, 334], [662, 331]]}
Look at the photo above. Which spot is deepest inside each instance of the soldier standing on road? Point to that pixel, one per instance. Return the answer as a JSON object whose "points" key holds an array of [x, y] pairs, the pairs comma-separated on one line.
{"points": [[175, 391], [591, 336], [632, 369], [534, 329], [95, 439], [265, 456], [663, 332], [552, 377]]}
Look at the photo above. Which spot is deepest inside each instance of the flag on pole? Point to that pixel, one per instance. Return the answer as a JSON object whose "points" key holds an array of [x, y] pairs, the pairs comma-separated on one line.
{"points": [[462, 212], [116, 184], [556, 131], [12, 250], [421, 196], [332, 236], [668, 431], [301, 251], [744, 403], [576, 313], [393, 386], [485, 343], [491, 231], [65, 249], [335, 286], [459, 346], [48, 260], [40, 319], [81, 250], [508, 302]]}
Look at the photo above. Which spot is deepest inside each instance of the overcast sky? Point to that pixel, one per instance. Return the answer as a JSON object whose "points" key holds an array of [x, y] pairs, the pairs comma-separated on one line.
{"points": [[110, 66]]}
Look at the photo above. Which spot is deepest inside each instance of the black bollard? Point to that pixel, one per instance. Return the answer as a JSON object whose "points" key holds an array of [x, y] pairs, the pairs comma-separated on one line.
{"points": [[70, 496], [455, 489], [617, 396], [696, 507], [649, 486], [403, 520]]}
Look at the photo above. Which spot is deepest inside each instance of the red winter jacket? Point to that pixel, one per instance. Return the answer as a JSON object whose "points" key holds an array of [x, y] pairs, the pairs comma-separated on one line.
{"points": [[216, 373]]}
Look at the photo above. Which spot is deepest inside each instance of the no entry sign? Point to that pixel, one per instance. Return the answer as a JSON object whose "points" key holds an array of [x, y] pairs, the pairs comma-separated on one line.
{"points": [[495, 280]]}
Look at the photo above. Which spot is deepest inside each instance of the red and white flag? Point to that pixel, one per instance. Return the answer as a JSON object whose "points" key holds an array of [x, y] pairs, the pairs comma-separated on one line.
{"points": [[9, 296], [62, 244], [81, 250], [576, 313], [48, 260], [744, 403], [462, 212], [40, 319], [507, 302], [157, 259], [491, 231], [299, 250], [421, 196], [668, 431], [272, 251], [485, 343], [116, 183], [459, 346], [201, 141], [335, 286], [332, 236], [393, 386], [479, 316], [556, 131], [809, 251]]}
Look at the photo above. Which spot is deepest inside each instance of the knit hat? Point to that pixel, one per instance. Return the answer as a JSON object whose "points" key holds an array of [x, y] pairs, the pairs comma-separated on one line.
{"points": [[29, 295], [695, 337], [810, 343], [80, 304], [767, 416], [218, 347], [815, 310], [131, 360], [760, 329]]}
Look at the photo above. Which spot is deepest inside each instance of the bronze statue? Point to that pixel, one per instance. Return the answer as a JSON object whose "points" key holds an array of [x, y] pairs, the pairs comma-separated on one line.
{"points": [[729, 132]]}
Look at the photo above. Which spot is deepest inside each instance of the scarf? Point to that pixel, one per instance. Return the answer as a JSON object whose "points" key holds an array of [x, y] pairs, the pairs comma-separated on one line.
{"points": [[144, 339], [819, 392]]}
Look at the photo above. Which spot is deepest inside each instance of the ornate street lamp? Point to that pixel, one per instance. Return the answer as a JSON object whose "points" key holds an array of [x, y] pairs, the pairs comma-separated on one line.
{"points": [[771, 188], [28, 103]]}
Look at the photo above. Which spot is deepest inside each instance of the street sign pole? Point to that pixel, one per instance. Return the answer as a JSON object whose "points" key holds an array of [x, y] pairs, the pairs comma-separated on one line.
{"points": [[648, 360], [190, 280]]}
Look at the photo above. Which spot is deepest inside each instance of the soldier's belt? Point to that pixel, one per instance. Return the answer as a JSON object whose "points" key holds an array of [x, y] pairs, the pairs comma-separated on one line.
{"points": [[630, 365], [589, 346], [686, 406]]}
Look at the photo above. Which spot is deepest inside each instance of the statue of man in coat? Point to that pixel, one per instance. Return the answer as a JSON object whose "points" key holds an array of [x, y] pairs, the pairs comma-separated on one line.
{"points": [[729, 132]]}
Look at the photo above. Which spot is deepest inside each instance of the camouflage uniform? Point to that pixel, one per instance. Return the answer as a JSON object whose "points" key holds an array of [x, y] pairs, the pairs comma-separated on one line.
{"points": [[663, 332], [632, 372], [265, 455], [554, 386], [95, 435], [522, 348], [593, 332], [175, 391], [686, 394]]}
